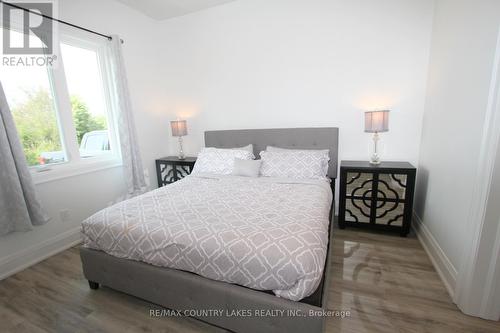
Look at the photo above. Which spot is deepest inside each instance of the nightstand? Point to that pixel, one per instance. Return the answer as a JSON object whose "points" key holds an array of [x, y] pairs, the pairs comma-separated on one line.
{"points": [[377, 196], [170, 169]]}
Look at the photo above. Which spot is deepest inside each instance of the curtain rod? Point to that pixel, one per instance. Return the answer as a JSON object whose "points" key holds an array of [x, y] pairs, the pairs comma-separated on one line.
{"points": [[57, 20]]}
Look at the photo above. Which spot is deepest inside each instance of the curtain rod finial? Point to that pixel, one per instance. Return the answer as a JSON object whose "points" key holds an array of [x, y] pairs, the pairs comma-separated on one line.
{"points": [[111, 38]]}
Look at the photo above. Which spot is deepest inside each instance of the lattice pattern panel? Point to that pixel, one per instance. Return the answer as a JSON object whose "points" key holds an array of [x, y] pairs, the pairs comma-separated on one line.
{"points": [[390, 213], [359, 184], [167, 173], [392, 186], [183, 171], [357, 210], [171, 173], [388, 199]]}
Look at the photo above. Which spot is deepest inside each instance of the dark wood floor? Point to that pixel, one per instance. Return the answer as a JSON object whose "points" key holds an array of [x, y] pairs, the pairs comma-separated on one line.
{"points": [[387, 283]]}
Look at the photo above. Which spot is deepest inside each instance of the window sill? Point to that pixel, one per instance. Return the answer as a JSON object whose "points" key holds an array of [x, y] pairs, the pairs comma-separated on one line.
{"points": [[67, 170]]}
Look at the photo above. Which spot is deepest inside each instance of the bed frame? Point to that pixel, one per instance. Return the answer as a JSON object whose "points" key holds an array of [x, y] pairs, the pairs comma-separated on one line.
{"points": [[180, 290]]}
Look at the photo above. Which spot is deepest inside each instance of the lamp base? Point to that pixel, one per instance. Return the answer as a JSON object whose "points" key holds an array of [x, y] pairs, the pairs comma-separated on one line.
{"points": [[181, 155], [375, 158]]}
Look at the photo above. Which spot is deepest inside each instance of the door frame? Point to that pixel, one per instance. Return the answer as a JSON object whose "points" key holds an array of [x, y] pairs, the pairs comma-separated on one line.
{"points": [[477, 291]]}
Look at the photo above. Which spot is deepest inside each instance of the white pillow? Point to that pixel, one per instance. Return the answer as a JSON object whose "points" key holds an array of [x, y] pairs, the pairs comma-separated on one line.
{"points": [[295, 164], [219, 161], [247, 168]]}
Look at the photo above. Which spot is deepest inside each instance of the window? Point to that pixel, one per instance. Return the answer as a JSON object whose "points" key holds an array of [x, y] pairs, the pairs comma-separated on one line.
{"points": [[85, 87], [63, 114], [30, 96]]}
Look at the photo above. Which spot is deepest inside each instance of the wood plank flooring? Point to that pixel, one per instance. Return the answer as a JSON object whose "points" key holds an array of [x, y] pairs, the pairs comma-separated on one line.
{"points": [[387, 284]]}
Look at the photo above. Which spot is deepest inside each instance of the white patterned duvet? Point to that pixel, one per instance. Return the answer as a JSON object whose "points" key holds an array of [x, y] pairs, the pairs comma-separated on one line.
{"points": [[262, 233]]}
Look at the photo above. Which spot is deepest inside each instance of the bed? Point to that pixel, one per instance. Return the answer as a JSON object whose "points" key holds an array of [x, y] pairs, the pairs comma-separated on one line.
{"points": [[267, 289]]}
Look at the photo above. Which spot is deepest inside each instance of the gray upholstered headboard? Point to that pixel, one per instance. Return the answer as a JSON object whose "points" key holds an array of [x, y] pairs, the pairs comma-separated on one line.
{"points": [[306, 138]]}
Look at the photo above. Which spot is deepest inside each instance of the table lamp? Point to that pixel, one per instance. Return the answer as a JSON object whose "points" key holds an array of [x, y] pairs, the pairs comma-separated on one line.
{"points": [[179, 129], [376, 122]]}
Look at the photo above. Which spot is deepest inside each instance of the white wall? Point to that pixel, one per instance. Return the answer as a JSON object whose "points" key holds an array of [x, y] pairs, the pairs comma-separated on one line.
{"points": [[251, 64], [460, 70], [85, 194], [297, 63]]}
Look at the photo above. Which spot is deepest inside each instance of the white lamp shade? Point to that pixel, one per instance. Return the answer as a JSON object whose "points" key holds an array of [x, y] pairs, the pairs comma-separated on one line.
{"points": [[179, 127], [377, 121]]}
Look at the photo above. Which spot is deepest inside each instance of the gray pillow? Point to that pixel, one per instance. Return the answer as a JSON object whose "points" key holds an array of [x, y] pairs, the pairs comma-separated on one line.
{"points": [[247, 168]]}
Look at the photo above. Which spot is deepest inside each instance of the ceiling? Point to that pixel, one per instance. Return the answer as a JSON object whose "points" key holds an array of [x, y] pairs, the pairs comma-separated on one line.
{"points": [[164, 9]]}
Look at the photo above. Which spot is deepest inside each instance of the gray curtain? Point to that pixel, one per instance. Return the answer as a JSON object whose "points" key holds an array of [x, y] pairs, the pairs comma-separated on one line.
{"points": [[19, 206], [132, 165]]}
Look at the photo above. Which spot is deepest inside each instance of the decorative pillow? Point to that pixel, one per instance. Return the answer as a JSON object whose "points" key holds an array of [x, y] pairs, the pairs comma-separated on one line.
{"points": [[319, 151], [219, 161], [295, 164], [247, 168]]}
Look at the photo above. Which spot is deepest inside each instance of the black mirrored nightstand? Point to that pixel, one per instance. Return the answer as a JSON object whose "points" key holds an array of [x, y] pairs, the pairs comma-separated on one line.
{"points": [[170, 169], [377, 196]]}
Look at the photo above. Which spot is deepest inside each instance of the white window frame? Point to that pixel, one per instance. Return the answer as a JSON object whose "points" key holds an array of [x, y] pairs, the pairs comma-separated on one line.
{"points": [[74, 164]]}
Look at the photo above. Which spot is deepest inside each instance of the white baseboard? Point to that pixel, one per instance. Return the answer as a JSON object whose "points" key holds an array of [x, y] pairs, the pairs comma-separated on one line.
{"points": [[442, 264], [21, 260]]}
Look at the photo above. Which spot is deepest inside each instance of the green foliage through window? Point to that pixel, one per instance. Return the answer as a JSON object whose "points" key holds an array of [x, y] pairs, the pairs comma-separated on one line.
{"points": [[84, 120], [37, 124]]}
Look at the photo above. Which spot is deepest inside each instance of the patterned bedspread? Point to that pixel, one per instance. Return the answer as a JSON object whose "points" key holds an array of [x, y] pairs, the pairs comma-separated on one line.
{"points": [[262, 233]]}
